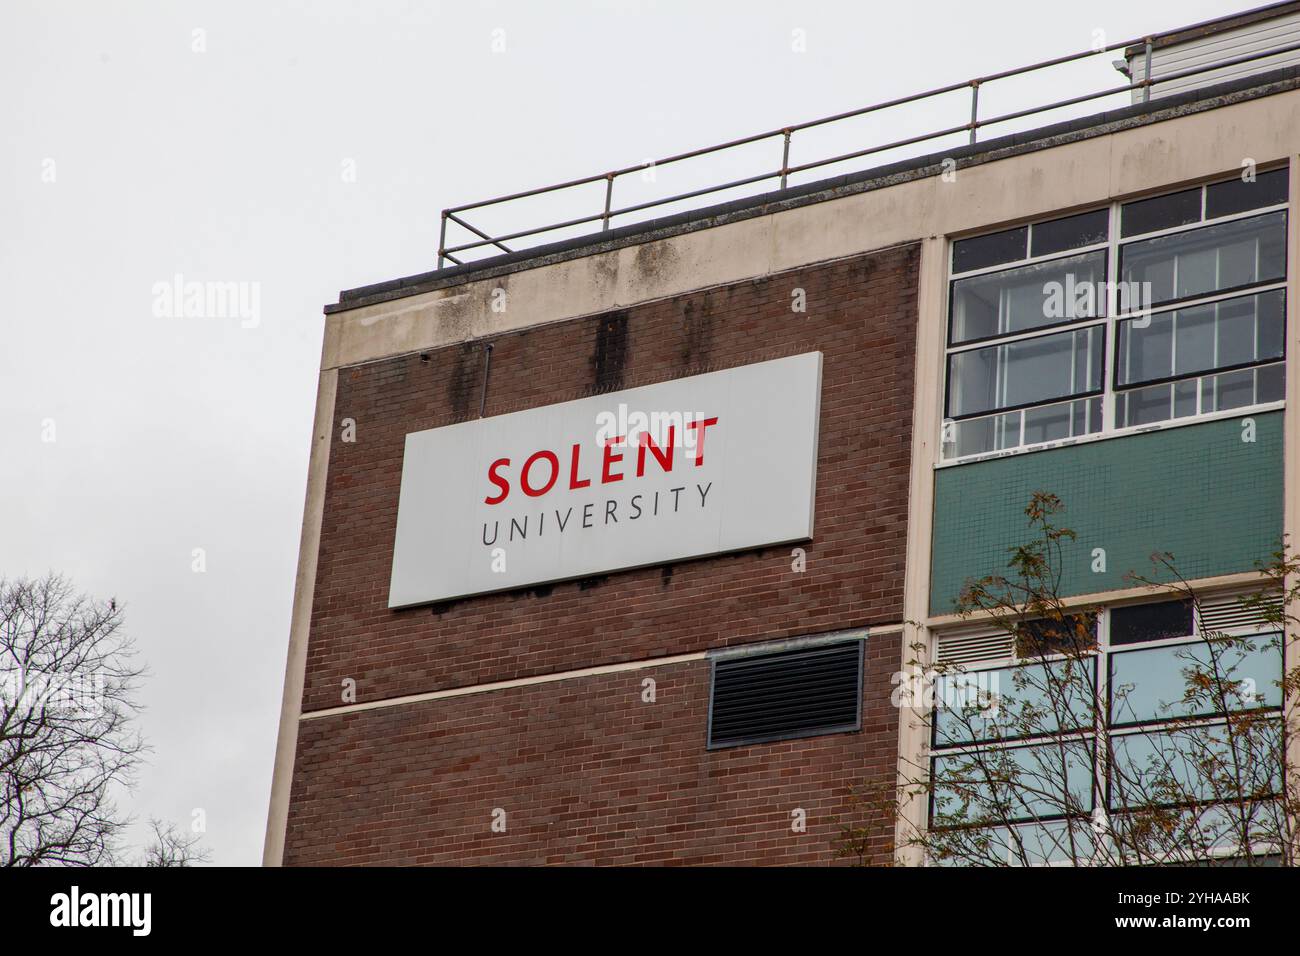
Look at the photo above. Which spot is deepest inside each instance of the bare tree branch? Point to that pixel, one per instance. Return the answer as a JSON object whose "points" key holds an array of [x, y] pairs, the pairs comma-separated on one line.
{"points": [[1065, 767], [68, 682]]}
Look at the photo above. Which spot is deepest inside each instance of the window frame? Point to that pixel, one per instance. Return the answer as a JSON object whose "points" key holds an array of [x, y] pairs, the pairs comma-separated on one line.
{"points": [[1154, 724], [1084, 739], [1200, 298], [992, 743], [1109, 317], [1102, 734], [965, 345], [1013, 340], [1115, 385]]}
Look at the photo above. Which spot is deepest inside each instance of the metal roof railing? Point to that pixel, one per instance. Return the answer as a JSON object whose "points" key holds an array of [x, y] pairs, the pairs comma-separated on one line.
{"points": [[607, 215]]}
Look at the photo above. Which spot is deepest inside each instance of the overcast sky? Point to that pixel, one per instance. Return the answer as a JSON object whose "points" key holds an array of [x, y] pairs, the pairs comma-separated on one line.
{"points": [[303, 148]]}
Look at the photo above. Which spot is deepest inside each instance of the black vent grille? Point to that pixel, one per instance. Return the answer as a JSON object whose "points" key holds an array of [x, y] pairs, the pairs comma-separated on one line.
{"points": [[800, 693]]}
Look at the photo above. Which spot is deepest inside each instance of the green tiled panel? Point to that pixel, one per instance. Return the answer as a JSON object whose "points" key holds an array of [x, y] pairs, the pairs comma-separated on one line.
{"points": [[1200, 492]]}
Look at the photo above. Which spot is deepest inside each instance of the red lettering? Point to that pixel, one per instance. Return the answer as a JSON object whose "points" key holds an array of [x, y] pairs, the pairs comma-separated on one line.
{"points": [[574, 481], [610, 458], [529, 490], [663, 456], [498, 481], [701, 424]]}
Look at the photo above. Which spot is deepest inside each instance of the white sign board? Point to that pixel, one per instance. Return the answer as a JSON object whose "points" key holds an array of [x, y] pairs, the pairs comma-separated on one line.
{"points": [[697, 466]]}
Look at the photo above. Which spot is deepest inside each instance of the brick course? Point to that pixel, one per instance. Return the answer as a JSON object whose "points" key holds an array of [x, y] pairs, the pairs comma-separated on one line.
{"points": [[587, 773]]}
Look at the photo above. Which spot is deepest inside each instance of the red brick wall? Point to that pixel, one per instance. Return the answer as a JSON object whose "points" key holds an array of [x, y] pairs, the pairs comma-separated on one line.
{"points": [[586, 772], [861, 313]]}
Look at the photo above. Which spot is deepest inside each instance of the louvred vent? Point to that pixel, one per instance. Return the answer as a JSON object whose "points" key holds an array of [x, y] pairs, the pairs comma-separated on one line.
{"points": [[787, 694], [1228, 614], [970, 648]]}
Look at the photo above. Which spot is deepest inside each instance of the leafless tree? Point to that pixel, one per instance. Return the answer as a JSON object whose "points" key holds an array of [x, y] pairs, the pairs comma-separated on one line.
{"points": [[170, 847], [68, 681]]}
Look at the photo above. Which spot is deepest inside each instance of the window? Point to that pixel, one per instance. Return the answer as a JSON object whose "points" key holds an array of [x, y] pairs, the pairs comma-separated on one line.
{"points": [[1201, 262], [758, 696], [1020, 689], [1156, 310], [1072, 633], [1150, 685], [1040, 744], [1000, 303], [968, 787], [1150, 622]]}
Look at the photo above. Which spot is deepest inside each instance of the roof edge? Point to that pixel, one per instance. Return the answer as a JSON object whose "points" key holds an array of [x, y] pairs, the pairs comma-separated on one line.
{"points": [[1099, 124], [1219, 25]]}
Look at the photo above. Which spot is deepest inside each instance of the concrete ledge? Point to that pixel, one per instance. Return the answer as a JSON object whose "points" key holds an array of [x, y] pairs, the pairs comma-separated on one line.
{"points": [[1137, 155]]}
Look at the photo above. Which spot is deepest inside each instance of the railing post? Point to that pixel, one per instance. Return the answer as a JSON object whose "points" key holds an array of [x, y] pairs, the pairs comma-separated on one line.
{"points": [[442, 240], [609, 198], [1146, 78], [785, 158], [974, 108]]}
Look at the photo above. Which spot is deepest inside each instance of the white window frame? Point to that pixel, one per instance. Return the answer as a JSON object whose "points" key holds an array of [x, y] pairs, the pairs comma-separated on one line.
{"points": [[1109, 324], [1101, 733]]}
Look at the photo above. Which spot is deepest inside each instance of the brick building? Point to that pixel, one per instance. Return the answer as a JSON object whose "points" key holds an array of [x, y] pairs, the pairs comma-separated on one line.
{"points": [[616, 706]]}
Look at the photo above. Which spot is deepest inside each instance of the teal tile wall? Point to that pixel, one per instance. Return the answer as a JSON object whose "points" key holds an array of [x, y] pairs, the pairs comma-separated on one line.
{"points": [[1199, 491]]}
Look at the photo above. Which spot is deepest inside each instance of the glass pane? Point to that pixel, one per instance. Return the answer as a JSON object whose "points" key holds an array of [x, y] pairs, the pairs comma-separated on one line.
{"points": [[1030, 297], [1194, 764], [1185, 398], [1079, 417], [1195, 680], [1013, 702], [1031, 844], [972, 437], [1024, 372], [1006, 430], [1072, 232], [1047, 423], [1224, 199], [1093, 406], [1150, 622], [1195, 339], [1208, 260], [983, 251], [1270, 383], [1144, 406], [1075, 633], [1236, 333], [1160, 212], [1056, 841], [1270, 324], [1201, 338], [1002, 785], [1145, 349], [1234, 390]]}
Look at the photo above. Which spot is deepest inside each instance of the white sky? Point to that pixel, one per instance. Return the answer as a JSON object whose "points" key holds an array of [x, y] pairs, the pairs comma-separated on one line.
{"points": [[227, 165]]}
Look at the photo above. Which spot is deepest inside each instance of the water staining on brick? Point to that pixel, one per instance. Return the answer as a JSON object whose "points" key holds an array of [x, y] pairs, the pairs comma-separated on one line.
{"points": [[465, 371], [609, 358]]}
